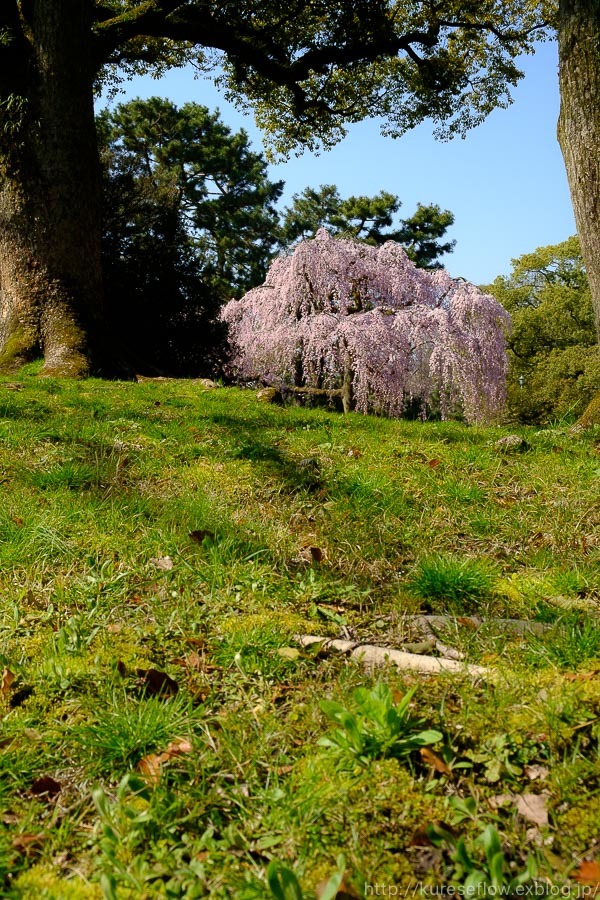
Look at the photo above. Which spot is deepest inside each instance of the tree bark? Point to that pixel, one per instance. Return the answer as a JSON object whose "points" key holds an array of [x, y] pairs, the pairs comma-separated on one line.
{"points": [[579, 126], [50, 266]]}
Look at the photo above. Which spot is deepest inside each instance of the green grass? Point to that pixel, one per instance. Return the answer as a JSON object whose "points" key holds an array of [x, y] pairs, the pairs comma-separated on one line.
{"points": [[160, 548]]}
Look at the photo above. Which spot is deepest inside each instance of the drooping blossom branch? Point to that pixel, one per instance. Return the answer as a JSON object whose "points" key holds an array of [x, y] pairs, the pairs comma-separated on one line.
{"points": [[337, 309]]}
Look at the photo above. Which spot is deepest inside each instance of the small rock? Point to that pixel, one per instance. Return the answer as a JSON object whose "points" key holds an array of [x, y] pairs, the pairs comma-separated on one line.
{"points": [[165, 563], [512, 443], [269, 395]]}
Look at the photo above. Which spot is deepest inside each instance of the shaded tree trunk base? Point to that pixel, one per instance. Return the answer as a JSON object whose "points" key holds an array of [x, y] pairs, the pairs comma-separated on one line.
{"points": [[591, 414]]}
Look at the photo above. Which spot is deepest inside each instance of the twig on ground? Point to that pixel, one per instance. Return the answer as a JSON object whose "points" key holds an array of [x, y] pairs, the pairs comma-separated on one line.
{"points": [[372, 655]]}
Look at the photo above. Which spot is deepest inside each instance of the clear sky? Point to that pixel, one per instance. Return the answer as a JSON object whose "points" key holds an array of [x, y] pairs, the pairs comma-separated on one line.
{"points": [[505, 182]]}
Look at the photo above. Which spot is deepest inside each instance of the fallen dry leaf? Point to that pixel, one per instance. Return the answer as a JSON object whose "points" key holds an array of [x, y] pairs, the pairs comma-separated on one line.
{"points": [[28, 843], [532, 807], [150, 767], [8, 679], [588, 873], [156, 683], [432, 759]]}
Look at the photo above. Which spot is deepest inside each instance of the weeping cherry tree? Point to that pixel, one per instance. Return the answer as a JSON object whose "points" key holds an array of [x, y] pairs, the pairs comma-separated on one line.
{"points": [[342, 316]]}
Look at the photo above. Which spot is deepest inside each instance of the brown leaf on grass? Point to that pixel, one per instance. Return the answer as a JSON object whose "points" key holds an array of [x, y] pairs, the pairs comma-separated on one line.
{"points": [[194, 661], [580, 676], [588, 873], [45, 786], [531, 807], [150, 767], [433, 463], [534, 808], [8, 679], [156, 683], [28, 844], [432, 759]]}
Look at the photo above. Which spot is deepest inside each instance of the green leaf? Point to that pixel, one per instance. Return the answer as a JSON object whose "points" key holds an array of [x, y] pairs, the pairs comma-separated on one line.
{"points": [[283, 883]]}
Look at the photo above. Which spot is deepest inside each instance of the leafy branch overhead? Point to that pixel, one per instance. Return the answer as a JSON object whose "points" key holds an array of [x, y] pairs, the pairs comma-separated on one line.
{"points": [[308, 70], [311, 67]]}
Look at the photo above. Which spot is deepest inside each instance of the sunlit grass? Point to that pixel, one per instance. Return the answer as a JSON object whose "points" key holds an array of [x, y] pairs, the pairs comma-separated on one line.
{"points": [[158, 527]]}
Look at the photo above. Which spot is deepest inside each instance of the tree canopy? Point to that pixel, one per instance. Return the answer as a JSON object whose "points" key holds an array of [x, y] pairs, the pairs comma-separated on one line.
{"points": [[553, 352], [309, 69], [369, 219]]}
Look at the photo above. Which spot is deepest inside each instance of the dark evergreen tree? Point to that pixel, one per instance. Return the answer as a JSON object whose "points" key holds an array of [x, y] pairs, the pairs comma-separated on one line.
{"points": [[189, 222], [369, 219]]}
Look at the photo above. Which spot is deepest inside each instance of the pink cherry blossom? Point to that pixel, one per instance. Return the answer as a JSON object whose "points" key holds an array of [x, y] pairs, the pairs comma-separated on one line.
{"points": [[338, 308]]}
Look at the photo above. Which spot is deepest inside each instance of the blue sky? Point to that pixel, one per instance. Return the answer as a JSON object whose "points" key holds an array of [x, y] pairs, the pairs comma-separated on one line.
{"points": [[505, 182]]}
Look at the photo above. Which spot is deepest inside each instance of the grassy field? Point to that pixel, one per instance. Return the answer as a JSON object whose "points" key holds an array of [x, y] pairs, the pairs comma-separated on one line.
{"points": [[165, 734]]}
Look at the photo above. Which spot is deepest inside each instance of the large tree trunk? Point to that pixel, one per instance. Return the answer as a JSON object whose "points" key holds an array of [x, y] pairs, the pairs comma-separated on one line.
{"points": [[50, 268], [579, 126]]}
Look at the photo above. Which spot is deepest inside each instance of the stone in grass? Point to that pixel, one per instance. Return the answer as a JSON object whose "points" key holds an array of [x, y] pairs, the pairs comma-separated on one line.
{"points": [[269, 395], [512, 443]]}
